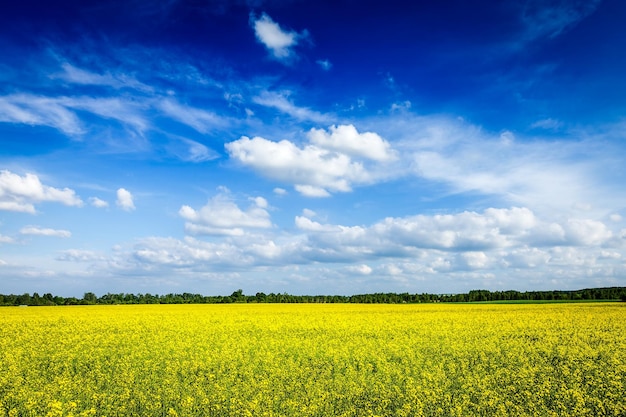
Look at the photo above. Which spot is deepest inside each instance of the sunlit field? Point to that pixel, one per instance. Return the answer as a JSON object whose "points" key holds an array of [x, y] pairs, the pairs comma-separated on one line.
{"points": [[314, 360]]}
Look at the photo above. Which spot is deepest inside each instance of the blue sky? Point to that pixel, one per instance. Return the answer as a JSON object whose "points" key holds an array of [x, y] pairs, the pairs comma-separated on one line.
{"points": [[339, 147]]}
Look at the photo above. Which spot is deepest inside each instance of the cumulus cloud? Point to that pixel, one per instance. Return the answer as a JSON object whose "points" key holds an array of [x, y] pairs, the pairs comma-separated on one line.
{"points": [[38, 231], [346, 139], [21, 193], [97, 202], [473, 233], [333, 162], [305, 223], [193, 254], [471, 248], [312, 169], [279, 42], [125, 200], [222, 216]]}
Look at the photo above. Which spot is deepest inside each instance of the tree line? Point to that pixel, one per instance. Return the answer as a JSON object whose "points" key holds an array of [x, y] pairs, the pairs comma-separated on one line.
{"points": [[89, 298]]}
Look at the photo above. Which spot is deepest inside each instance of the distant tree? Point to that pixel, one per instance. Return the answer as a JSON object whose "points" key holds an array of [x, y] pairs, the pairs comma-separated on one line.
{"points": [[237, 296], [90, 298]]}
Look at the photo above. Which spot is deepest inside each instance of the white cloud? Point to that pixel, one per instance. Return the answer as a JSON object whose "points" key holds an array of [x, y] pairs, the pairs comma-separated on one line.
{"points": [[333, 162], [472, 233], [125, 200], [21, 193], [306, 224], [587, 232], [281, 102], [277, 40], [221, 216], [474, 260], [260, 202], [346, 139], [193, 254], [96, 202], [313, 170], [312, 191], [525, 257], [38, 231]]}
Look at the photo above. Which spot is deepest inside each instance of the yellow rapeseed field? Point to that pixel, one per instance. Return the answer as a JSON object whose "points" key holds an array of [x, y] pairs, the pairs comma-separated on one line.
{"points": [[314, 360]]}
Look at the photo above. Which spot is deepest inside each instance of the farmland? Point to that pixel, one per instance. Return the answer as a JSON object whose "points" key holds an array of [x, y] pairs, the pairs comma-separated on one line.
{"points": [[314, 360]]}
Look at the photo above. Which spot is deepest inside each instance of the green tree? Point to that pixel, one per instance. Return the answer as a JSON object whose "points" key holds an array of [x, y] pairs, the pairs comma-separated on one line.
{"points": [[90, 298]]}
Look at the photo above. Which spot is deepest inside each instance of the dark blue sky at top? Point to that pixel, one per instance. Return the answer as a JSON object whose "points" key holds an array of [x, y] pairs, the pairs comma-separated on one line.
{"points": [[450, 57]]}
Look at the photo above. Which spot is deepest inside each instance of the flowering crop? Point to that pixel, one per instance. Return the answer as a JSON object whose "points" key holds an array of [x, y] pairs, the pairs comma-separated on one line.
{"points": [[314, 360]]}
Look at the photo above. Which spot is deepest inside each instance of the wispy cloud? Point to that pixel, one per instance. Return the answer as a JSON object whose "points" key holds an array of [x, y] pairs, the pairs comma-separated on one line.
{"points": [[38, 231], [552, 175], [281, 102], [190, 150], [38, 110], [551, 19], [201, 120], [77, 75], [127, 112]]}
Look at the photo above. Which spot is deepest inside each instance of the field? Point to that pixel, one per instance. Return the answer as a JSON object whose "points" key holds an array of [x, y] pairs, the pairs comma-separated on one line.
{"points": [[314, 360]]}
